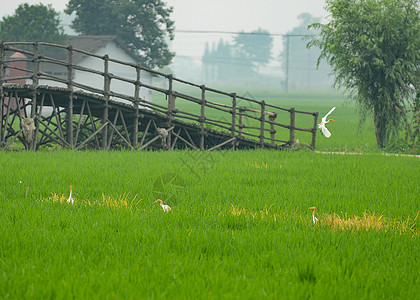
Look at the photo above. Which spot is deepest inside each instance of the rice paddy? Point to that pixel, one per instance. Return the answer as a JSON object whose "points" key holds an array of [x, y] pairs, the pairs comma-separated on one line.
{"points": [[239, 228]]}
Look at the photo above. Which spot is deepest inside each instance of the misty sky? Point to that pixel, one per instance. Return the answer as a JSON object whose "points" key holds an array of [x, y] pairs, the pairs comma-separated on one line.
{"points": [[276, 16]]}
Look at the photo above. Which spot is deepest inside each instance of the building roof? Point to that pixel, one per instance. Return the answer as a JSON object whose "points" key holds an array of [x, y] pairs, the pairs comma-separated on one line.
{"points": [[92, 44]]}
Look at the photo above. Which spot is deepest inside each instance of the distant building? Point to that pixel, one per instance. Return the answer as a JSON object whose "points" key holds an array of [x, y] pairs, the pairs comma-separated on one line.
{"points": [[100, 45], [18, 65]]}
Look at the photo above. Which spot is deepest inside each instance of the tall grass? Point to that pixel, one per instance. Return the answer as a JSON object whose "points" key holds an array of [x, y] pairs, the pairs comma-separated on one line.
{"points": [[239, 227]]}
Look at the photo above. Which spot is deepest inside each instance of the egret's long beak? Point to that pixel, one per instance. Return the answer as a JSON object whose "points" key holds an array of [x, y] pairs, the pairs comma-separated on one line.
{"points": [[313, 207], [331, 120]]}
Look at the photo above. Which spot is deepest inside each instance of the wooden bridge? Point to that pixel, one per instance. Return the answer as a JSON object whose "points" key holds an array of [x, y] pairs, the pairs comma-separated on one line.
{"points": [[42, 108]]}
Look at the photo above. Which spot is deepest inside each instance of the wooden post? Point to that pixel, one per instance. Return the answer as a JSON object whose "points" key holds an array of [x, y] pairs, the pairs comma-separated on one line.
{"points": [[35, 82], [202, 116], [272, 130], [233, 115], [292, 126], [171, 100], [241, 121], [171, 107], [107, 84], [262, 124], [2, 75], [135, 137], [69, 118], [314, 130]]}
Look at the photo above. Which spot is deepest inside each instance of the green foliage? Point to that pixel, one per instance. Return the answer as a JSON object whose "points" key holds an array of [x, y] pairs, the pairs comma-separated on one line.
{"points": [[374, 48], [142, 26], [240, 227], [32, 23], [254, 47]]}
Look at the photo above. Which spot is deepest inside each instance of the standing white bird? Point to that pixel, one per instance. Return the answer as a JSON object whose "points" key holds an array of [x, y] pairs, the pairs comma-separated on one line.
{"points": [[164, 206], [70, 199], [314, 219], [325, 122]]}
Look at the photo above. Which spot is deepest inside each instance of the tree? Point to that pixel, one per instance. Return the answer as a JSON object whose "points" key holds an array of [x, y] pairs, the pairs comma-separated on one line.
{"points": [[299, 62], [254, 47], [374, 49], [32, 23], [142, 25]]}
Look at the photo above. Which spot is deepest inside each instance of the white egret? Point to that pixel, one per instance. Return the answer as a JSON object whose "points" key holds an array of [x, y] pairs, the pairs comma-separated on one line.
{"points": [[70, 199], [324, 122], [164, 206], [314, 219]]}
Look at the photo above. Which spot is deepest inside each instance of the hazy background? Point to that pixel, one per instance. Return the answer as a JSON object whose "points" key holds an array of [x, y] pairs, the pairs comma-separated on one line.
{"points": [[221, 20]]}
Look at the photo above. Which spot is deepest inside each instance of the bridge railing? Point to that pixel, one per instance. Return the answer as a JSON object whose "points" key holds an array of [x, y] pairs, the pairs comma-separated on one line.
{"points": [[242, 117]]}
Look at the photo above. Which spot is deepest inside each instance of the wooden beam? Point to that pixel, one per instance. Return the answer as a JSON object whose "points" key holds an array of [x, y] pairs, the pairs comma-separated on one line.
{"points": [[175, 139], [222, 144], [125, 127], [121, 136], [79, 123], [292, 126], [202, 116], [35, 79], [145, 132], [112, 130], [313, 144], [6, 120], [52, 131], [262, 124], [184, 140], [105, 115], [2, 75], [57, 115], [69, 116], [135, 138], [233, 130], [93, 123], [91, 137], [189, 137]]}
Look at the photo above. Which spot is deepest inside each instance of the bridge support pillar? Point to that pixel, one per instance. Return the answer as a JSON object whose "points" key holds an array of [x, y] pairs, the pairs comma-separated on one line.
{"points": [[292, 127], [105, 117], [69, 121]]}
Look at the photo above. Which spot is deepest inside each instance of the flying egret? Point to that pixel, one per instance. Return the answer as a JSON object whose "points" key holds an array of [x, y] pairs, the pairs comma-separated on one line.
{"points": [[70, 199], [325, 122], [164, 206], [314, 219]]}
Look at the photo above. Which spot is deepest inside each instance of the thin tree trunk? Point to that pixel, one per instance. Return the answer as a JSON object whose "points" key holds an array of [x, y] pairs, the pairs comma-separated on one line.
{"points": [[381, 131]]}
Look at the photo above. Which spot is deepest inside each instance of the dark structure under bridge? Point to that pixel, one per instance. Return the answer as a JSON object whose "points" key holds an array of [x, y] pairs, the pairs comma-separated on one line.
{"points": [[46, 99]]}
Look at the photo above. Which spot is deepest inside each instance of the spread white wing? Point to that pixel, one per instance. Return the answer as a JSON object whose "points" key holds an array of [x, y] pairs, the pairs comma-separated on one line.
{"points": [[325, 131], [325, 117]]}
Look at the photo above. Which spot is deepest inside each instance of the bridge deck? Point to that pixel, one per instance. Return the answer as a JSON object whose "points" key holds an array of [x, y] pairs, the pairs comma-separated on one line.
{"points": [[83, 116]]}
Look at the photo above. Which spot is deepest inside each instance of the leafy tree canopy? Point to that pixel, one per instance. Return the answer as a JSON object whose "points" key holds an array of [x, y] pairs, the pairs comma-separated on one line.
{"points": [[32, 23], [142, 25], [374, 49], [254, 47]]}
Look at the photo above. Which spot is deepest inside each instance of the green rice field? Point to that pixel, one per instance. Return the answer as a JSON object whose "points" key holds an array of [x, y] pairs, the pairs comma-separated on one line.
{"points": [[239, 228]]}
